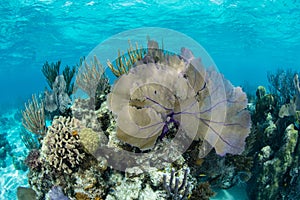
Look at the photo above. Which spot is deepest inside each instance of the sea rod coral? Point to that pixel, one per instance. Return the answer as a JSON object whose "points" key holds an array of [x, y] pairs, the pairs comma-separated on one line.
{"points": [[179, 92], [34, 117], [292, 108]]}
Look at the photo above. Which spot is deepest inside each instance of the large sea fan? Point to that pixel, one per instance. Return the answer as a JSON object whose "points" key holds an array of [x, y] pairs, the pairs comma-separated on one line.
{"points": [[179, 90]]}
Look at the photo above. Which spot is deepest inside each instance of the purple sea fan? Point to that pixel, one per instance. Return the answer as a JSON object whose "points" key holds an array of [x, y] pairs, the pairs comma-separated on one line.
{"points": [[180, 91], [227, 133], [224, 122]]}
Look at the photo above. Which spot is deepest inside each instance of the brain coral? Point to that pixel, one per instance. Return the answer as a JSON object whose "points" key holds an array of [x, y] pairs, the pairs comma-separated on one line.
{"points": [[61, 148], [90, 139], [172, 89]]}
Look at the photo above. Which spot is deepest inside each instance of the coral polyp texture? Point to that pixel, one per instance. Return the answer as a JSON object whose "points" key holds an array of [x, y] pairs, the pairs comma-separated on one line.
{"points": [[166, 91], [61, 148]]}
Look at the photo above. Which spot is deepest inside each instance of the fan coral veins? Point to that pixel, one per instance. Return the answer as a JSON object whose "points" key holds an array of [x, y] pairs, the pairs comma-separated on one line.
{"points": [[179, 88]]}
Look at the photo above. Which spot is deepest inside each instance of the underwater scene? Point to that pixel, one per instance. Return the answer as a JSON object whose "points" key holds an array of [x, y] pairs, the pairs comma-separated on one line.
{"points": [[149, 100]]}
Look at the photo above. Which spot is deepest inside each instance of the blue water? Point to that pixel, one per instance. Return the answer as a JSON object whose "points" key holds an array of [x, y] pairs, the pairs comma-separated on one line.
{"points": [[246, 39]]}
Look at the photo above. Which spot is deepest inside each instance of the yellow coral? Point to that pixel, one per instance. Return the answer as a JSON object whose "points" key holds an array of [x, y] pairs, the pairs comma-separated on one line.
{"points": [[89, 139], [81, 196], [124, 63]]}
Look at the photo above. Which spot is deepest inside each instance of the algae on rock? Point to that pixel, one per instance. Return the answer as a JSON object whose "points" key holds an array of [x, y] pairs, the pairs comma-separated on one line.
{"points": [[270, 180]]}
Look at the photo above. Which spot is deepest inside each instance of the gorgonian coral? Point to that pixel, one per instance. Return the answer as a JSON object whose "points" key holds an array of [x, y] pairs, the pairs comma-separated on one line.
{"points": [[166, 91], [292, 108], [33, 160], [33, 117]]}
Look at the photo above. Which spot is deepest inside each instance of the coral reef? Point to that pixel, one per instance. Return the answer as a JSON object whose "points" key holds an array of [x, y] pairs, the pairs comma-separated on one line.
{"points": [[30, 141], [163, 113], [268, 182], [63, 161], [125, 63], [34, 117], [292, 108], [148, 184], [223, 172], [33, 160], [274, 143], [153, 96], [60, 156], [90, 139], [202, 192], [88, 117], [56, 193], [61, 148], [51, 71], [265, 103], [179, 191], [57, 100], [281, 84], [91, 79], [41, 181], [90, 182]]}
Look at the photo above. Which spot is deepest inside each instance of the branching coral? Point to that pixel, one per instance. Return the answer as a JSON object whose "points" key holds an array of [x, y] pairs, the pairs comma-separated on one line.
{"points": [[33, 160], [29, 140], [88, 117], [34, 117], [51, 71], [125, 62], [281, 84], [68, 74], [58, 99], [202, 192], [292, 108], [174, 193], [179, 91], [91, 78], [61, 148]]}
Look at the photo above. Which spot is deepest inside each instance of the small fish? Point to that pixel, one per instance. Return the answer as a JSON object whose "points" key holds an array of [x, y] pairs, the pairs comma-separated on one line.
{"points": [[199, 161], [75, 133]]}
